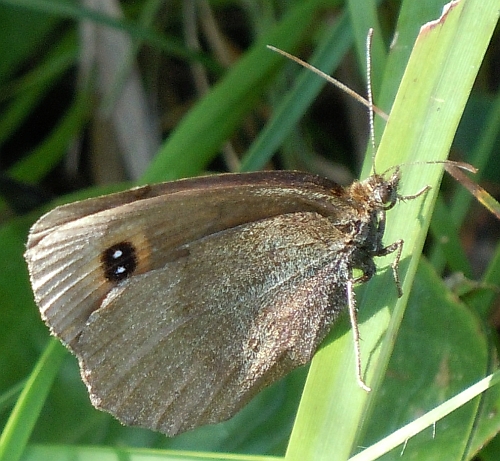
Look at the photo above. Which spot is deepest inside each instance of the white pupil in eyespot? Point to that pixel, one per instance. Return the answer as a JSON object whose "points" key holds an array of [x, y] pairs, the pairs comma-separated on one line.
{"points": [[117, 254]]}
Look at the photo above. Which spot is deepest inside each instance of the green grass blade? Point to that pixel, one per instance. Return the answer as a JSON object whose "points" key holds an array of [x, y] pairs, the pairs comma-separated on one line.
{"points": [[18, 429], [196, 139], [426, 112], [402, 435], [285, 117]]}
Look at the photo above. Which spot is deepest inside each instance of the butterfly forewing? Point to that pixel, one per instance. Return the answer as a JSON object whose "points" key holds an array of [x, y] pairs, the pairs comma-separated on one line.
{"points": [[65, 246]]}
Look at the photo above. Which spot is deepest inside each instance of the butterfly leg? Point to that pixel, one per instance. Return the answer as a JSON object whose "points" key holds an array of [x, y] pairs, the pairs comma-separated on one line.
{"points": [[413, 196], [396, 247], [351, 301]]}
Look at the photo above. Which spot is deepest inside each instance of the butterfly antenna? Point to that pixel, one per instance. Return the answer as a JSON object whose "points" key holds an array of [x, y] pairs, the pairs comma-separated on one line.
{"points": [[331, 80], [370, 93]]}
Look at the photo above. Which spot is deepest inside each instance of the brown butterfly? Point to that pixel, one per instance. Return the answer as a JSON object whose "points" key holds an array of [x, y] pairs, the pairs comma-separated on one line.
{"points": [[184, 299]]}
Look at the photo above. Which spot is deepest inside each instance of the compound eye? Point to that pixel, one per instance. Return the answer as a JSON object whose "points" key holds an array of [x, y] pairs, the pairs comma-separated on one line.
{"points": [[386, 195]]}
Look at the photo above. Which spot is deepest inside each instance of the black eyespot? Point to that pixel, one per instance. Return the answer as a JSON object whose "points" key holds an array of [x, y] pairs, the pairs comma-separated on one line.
{"points": [[119, 261]]}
